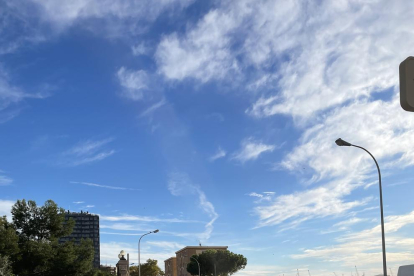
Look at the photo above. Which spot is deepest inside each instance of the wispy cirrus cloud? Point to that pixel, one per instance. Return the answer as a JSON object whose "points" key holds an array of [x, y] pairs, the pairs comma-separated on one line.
{"points": [[179, 184], [150, 110], [220, 153], [86, 152], [134, 83], [126, 217], [103, 186], [11, 96], [5, 180], [251, 150], [265, 196], [364, 247]]}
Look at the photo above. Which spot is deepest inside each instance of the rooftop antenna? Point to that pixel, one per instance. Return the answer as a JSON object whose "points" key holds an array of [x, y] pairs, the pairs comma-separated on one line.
{"points": [[356, 271], [199, 243]]}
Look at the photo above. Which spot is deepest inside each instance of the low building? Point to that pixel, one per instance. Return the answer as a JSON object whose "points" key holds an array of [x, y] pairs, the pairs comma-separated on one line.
{"points": [[171, 266], [182, 258], [108, 268]]}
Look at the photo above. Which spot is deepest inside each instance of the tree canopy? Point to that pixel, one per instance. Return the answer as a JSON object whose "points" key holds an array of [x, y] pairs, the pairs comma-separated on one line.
{"points": [[216, 263], [31, 242], [150, 268]]}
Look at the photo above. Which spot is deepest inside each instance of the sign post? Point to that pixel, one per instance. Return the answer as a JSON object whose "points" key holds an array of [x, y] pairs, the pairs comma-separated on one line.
{"points": [[407, 84]]}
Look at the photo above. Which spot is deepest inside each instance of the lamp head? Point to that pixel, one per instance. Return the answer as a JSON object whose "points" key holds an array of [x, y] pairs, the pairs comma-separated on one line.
{"points": [[342, 143], [156, 231]]}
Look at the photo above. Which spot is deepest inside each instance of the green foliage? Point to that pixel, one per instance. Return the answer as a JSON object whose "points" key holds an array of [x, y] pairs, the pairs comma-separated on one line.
{"points": [[217, 262], [44, 223], [8, 238], [31, 241], [150, 268], [97, 272], [5, 266]]}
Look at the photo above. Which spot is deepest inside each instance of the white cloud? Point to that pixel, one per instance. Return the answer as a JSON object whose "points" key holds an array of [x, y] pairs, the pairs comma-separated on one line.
{"points": [[78, 202], [11, 96], [134, 83], [104, 186], [219, 154], [150, 110], [364, 247], [5, 208], [4, 180], [203, 53], [174, 246], [180, 184], [266, 196], [255, 195], [123, 13], [327, 53], [86, 152], [140, 49], [382, 127], [251, 150], [127, 217], [294, 209], [123, 226], [89, 206]]}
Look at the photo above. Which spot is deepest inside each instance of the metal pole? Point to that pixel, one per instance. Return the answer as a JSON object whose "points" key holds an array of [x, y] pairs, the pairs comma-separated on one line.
{"points": [[139, 252], [198, 265], [384, 258]]}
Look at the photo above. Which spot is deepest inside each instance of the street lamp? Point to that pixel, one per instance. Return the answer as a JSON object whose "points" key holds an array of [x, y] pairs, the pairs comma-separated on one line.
{"points": [[139, 250], [341, 143], [198, 265]]}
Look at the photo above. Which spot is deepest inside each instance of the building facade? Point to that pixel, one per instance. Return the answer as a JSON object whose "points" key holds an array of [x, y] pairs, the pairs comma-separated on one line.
{"points": [[171, 266], [86, 227], [182, 257]]}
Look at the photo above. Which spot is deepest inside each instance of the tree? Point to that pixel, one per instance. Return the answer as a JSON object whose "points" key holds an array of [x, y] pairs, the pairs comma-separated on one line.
{"points": [[5, 266], [37, 230], [44, 223], [217, 263], [150, 268], [8, 238]]}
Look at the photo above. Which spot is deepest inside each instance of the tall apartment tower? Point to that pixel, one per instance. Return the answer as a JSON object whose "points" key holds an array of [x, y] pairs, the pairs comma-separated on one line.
{"points": [[86, 227]]}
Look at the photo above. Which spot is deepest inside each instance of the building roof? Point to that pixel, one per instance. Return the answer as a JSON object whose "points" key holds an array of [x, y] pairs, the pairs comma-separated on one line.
{"points": [[169, 259], [202, 247]]}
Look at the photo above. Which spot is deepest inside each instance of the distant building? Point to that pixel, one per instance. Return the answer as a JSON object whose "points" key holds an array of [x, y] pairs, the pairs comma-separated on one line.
{"points": [[171, 266], [107, 268], [86, 227], [406, 270], [182, 258]]}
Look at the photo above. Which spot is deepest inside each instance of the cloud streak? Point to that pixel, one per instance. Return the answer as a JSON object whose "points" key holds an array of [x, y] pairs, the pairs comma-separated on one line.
{"points": [[251, 150], [179, 184], [219, 154], [104, 186], [86, 152]]}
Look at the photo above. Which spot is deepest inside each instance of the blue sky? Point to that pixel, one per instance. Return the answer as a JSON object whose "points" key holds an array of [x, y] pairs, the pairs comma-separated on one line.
{"points": [[214, 121]]}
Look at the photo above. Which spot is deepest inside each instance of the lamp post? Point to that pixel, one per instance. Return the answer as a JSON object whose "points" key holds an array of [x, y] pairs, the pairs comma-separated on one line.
{"points": [[139, 250], [198, 265], [341, 143]]}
